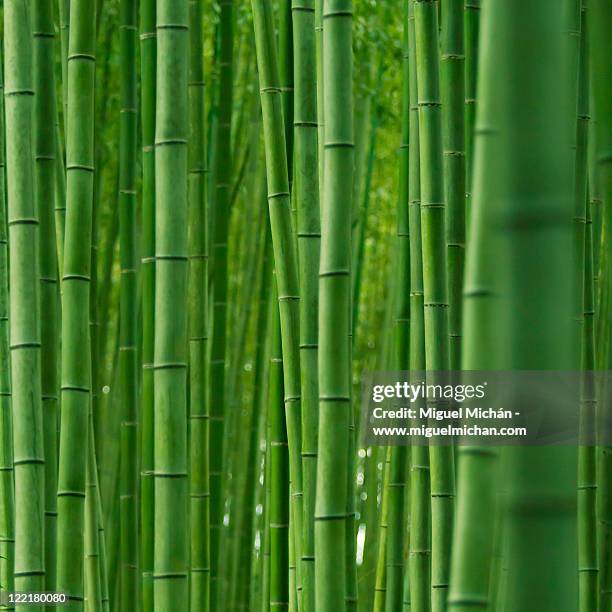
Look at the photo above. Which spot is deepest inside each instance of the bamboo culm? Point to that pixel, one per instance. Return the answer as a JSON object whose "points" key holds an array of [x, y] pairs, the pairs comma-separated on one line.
{"points": [[76, 355], [171, 552]]}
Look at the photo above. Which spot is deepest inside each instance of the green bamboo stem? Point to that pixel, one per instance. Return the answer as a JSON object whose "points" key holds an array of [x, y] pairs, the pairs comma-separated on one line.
{"points": [[64, 30], [397, 469], [533, 114], [25, 339], [420, 512], [309, 238], [434, 282], [148, 46], [334, 312], [471, 22], [283, 243], [587, 480], [251, 486], [128, 305], [453, 139], [600, 20], [76, 354], [7, 490], [198, 319], [171, 268], [286, 78], [318, 24], [380, 588], [45, 170], [223, 168], [279, 475], [588, 566], [471, 564], [93, 584]]}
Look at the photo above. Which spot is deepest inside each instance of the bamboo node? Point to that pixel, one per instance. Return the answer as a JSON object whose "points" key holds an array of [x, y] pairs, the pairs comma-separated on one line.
{"points": [[18, 92], [83, 167], [69, 493], [172, 26], [170, 365], [84, 56]]}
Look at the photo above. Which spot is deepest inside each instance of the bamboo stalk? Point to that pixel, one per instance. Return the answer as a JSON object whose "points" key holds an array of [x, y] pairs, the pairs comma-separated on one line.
{"points": [[171, 267], [7, 490], [397, 468], [198, 320], [76, 355], [453, 138], [148, 46], [532, 175], [334, 312], [478, 465], [45, 170], [283, 243], [600, 20], [309, 239], [434, 282], [128, 301], [420, 511], [223, 167]]}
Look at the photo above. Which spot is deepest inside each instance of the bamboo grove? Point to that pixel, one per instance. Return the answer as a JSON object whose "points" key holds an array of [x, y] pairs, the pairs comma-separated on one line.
{"points": [[215, 217]]}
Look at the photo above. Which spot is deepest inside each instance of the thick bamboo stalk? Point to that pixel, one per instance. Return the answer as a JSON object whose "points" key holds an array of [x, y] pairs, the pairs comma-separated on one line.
{"points": [[171, 266], [198, 320], [477, 465], [533, 115], [306, 194], [128, 305], [148, 44], [25, 339], [45, 170], [76, 354], [334, 311], [7, 489], [434, 282]]}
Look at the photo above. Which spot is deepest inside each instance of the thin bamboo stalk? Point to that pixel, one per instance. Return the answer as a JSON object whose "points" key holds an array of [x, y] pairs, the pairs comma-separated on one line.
{"points": [[283, 243], [453, 139], [7, 490], [199, 514], [128, 305], [420, 511], [600, 21], [397, 470], [279, 475], [435, 282], [148, 45]]}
